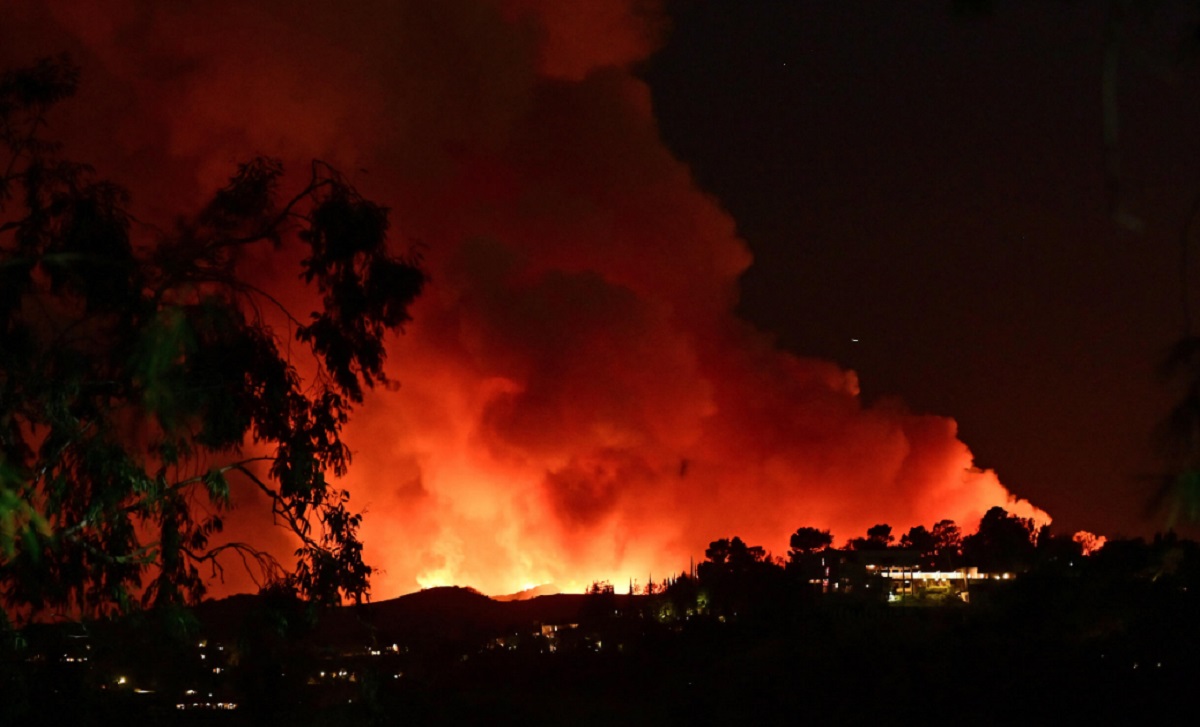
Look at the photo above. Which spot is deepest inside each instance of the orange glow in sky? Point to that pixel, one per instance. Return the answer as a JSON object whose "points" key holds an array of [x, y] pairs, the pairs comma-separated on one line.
{"points": [[577, 400]]}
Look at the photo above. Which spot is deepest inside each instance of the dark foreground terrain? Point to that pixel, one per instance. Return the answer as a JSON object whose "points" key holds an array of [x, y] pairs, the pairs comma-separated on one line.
{"points": [[1043, 647]]}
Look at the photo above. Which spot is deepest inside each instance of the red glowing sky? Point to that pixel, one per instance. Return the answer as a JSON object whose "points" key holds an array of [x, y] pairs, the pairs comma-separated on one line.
{"points": [[581, 396]]}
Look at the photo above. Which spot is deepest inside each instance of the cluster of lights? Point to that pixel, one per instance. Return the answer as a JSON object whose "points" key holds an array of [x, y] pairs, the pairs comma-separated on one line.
{"points": [[207, 705], [339, 674], [70, 659], [919, 575], [204, 705]]}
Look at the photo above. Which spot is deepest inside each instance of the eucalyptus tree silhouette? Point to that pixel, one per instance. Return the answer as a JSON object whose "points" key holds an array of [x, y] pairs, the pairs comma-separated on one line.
{"points": [[141, 380]]}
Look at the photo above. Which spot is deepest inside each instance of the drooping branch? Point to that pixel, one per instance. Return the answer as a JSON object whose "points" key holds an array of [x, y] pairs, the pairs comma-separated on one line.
{"points": [[268, 568]]}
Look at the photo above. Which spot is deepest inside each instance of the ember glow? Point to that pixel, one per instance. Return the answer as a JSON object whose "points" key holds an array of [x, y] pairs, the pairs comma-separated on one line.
{"points": [[1089, 542], [577, 400]]}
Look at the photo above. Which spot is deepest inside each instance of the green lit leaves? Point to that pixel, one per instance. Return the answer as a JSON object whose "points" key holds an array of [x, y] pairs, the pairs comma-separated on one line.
{"points": [[20, 522], [160, 349], [211, 377], [218, 489]]}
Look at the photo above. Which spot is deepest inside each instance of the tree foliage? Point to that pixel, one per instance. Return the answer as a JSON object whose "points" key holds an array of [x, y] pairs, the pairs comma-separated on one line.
{"points": [[1003, 542], [939, 548], [141, 379], [807, 540], [947, 544], [731, 556], [919, 539], [879, 537], [736, 576]]}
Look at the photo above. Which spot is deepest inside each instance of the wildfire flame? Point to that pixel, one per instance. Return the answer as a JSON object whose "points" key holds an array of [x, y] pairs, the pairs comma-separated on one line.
{"points": [[1090, 542], [578, 401]]}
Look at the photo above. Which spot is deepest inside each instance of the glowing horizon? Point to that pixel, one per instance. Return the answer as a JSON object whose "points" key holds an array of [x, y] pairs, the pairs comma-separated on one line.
{"points": [[577, 394]]}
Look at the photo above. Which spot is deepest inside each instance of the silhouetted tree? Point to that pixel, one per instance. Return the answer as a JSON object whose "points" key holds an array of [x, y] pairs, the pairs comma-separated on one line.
{"points": [[600, 606], [805, 559], [1003, 542], [1122, 558], [918, 538], [879, 537], [652, 588], [683, 595], [731, 556], [738, 576], [947, 544], [1057, 553], [809, 540], [140, 377], [939, 547], [600, 587], [921, 540]]}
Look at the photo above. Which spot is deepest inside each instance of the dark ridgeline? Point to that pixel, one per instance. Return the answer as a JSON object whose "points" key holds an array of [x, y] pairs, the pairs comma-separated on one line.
{"points": [[748, 639]]}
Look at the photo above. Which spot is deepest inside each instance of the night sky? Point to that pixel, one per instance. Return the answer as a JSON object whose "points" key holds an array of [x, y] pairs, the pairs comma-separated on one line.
{"points": [[931, 183], [723, 268]]}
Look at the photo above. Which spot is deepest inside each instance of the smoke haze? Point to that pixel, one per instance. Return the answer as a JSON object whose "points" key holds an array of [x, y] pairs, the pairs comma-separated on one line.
{"points": [[577, 400]]}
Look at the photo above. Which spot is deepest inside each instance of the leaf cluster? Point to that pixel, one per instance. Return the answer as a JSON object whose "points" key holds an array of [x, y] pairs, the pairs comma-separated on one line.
{"points": [[141, 382]]}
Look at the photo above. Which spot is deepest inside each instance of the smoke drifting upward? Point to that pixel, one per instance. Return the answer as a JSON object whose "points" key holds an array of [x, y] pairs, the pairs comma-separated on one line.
{"points": [[577, 399]]}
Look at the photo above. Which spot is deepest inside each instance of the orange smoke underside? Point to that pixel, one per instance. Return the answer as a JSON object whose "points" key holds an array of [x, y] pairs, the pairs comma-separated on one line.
{"points": [[474, 477], [578, 401]]}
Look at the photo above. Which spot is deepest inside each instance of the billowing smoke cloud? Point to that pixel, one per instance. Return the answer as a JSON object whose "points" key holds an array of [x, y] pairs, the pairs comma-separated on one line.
{"points": [[577, 400]]}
